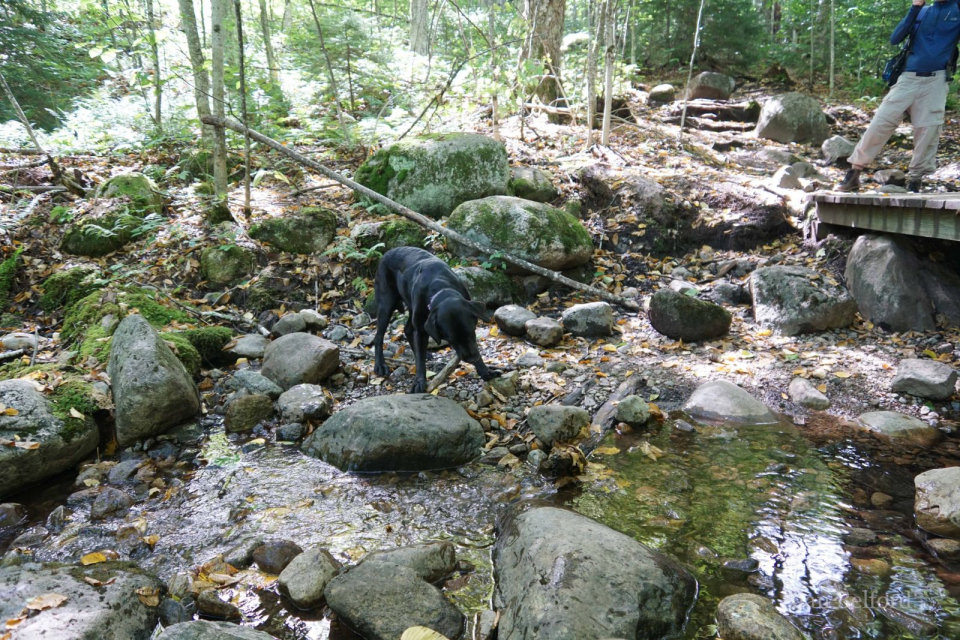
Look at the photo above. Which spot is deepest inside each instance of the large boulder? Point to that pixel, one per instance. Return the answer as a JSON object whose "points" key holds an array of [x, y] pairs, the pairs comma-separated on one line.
{"points": [[63, 440], [492, 288], [589, 320], [746, 616], [938, 501], [795, 300], [152, 390], [534, 231], [561, 575], [307, 575], [227, 264], [415, 432], [899, 429], [300, 358], [531, 183], [883, 276], [663, 93], [381, 600], [711, 86], [433, 174], [925, 379], [308, 231], [793, 117], [78, 610], [682, 317], [390, 233], [206, 630], [722, 401], [432, 561]]}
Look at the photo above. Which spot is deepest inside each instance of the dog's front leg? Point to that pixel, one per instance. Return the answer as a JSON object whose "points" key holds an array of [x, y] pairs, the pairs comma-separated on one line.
{"points": [[419, 344], [485, 372], [379, 364]]}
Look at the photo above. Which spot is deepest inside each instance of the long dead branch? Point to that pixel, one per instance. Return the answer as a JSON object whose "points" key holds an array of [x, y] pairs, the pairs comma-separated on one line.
{"points": [[423, 221]]}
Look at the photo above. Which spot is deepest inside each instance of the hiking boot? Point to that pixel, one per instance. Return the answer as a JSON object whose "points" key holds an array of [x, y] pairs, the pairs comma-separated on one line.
{"points": [[915, 185], [851, 181]]}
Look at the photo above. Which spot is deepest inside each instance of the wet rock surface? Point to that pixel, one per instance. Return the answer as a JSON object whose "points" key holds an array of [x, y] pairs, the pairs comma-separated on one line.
{"points": [[726, 402], [750, 617]]}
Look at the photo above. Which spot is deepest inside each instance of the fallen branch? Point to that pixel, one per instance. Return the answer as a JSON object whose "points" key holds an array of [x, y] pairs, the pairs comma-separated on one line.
{"points": [[6, 188], [316, 188], [6, 355], [22, 151], [423, 221], [10, 168], [605, 416], [448, 368]]}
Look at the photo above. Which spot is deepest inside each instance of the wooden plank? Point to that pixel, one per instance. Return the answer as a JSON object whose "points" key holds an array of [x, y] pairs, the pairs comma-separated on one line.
{"points": [[917, 220]]}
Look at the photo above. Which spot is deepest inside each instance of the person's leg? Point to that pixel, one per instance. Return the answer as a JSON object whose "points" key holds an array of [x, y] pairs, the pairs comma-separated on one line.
{"points": [[927, 114], [885, 122], [925, 143]]}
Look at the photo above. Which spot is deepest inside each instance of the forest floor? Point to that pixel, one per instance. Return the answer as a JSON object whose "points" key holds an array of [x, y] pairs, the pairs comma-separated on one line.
{"points": [[852, 366]]}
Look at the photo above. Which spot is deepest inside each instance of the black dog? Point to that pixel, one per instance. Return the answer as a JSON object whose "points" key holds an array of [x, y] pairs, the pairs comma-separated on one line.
{"points": [[440, 308]]}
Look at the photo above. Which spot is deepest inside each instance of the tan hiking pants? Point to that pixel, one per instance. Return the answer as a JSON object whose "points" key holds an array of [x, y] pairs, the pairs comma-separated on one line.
{"points": [[924, 98]]}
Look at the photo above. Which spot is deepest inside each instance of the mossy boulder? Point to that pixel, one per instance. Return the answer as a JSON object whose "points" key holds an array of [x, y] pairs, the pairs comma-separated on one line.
{"points": [[63, 288], [226, 264], [105, 230], [391, 233], [91, 321], [186, 353], [548, 237], [209, 343], [138, 189], [492, 288], [682, 317], [531, 183], [433, 174], [8, 271], [310, 230]]}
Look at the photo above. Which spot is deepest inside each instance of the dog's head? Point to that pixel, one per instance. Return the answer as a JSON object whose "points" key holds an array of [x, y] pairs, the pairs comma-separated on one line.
{"points": [[455, 320]]}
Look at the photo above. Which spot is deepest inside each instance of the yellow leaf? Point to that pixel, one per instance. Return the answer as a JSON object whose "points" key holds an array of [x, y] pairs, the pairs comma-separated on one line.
{"points": [[842, 374], [609, 347], [10, 411], [151, 540], [99, 556], [494, 331], [29, 446], [12, 622], [765, 333], [46, 601], [822, 388], [930, 353], [149, 596], [606, 451], [421, 633], [77, 414], [98, 583]]}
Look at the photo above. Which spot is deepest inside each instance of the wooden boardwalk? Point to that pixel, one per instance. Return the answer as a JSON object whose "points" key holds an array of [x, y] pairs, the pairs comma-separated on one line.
{"points": [[930, 215]]}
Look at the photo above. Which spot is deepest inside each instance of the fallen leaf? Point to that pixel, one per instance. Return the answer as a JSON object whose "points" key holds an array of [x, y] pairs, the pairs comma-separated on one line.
{"points": [[98, 583], [151, 540], [149, 596], [606, 451], [99, 556], [822, 388], [842, 374], [765, 333], [77, 414], [29, 446], [46, 601], [421, 633], [10, 411], [12, 622]]}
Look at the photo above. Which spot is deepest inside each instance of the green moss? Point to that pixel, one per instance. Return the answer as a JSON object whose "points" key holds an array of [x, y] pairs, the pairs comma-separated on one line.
{"points": [[141, 191], [226, 264], [186, 353], [88, 238], [376, 172], [64, 288], [308, 231], [402, 176], [73, 394], [8, 271], [208, 341], [204, 189]]}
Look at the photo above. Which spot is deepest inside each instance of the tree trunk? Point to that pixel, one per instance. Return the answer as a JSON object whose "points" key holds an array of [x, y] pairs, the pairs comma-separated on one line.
{"points": [[592, 55], [420, 26], [219, 138], [544, 37], [494, 59], [268, 44], [243, 108], [833, 28], [610, 45], [201, 81], [155, 59], [287, 17], [813, 19], [333, 79]]}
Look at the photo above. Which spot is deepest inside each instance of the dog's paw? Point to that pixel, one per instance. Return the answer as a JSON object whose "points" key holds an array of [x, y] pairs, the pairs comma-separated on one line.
{"points": [[419, 386], [491, 374], [381, 370]]}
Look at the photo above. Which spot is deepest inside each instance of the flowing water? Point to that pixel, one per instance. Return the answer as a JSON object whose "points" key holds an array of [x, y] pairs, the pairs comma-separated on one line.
{"points": [[707, 496]]}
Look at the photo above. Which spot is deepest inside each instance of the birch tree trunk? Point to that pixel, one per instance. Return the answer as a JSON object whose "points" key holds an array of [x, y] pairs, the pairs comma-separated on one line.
{"points": [[420, 26], [201, 80], [219, 138], [592, 55], [833, 51], [268, 44], [544, 37], [610, 52], [287, 17], [494, 58], [243, 109], [155, 59]]}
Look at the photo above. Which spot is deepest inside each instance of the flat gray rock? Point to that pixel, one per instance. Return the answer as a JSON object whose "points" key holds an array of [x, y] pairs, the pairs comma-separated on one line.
{"points": [[381, 600], [746, 616], [901, 429], [563, 576], [290, 323], [152, 391], [249, 346], [557, 423], [205, 630], [795, 300], [108, 612], [545, 332], [590, 320], [304, 402], [512, 319], [682, 317], [62, 445], [254, 382], [925, 379], [722, 401], [432, 561], [937, 502], [300, 358], [412, 432]]}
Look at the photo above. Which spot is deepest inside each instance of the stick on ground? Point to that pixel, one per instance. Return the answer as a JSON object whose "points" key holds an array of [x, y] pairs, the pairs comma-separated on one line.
{"points": [[423, 221], [448, 368]]}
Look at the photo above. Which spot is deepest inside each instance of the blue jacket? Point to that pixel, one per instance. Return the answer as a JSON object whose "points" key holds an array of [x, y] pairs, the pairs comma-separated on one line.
{"points": [[935, 29]]}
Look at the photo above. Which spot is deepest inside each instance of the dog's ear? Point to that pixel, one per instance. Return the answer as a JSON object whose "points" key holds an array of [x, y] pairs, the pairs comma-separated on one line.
{"points": [[479, 310], [431, 326]]}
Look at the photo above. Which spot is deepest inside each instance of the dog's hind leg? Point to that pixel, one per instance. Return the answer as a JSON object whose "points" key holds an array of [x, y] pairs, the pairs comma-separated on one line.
{"points": [[385, 308], [419, 344]]}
